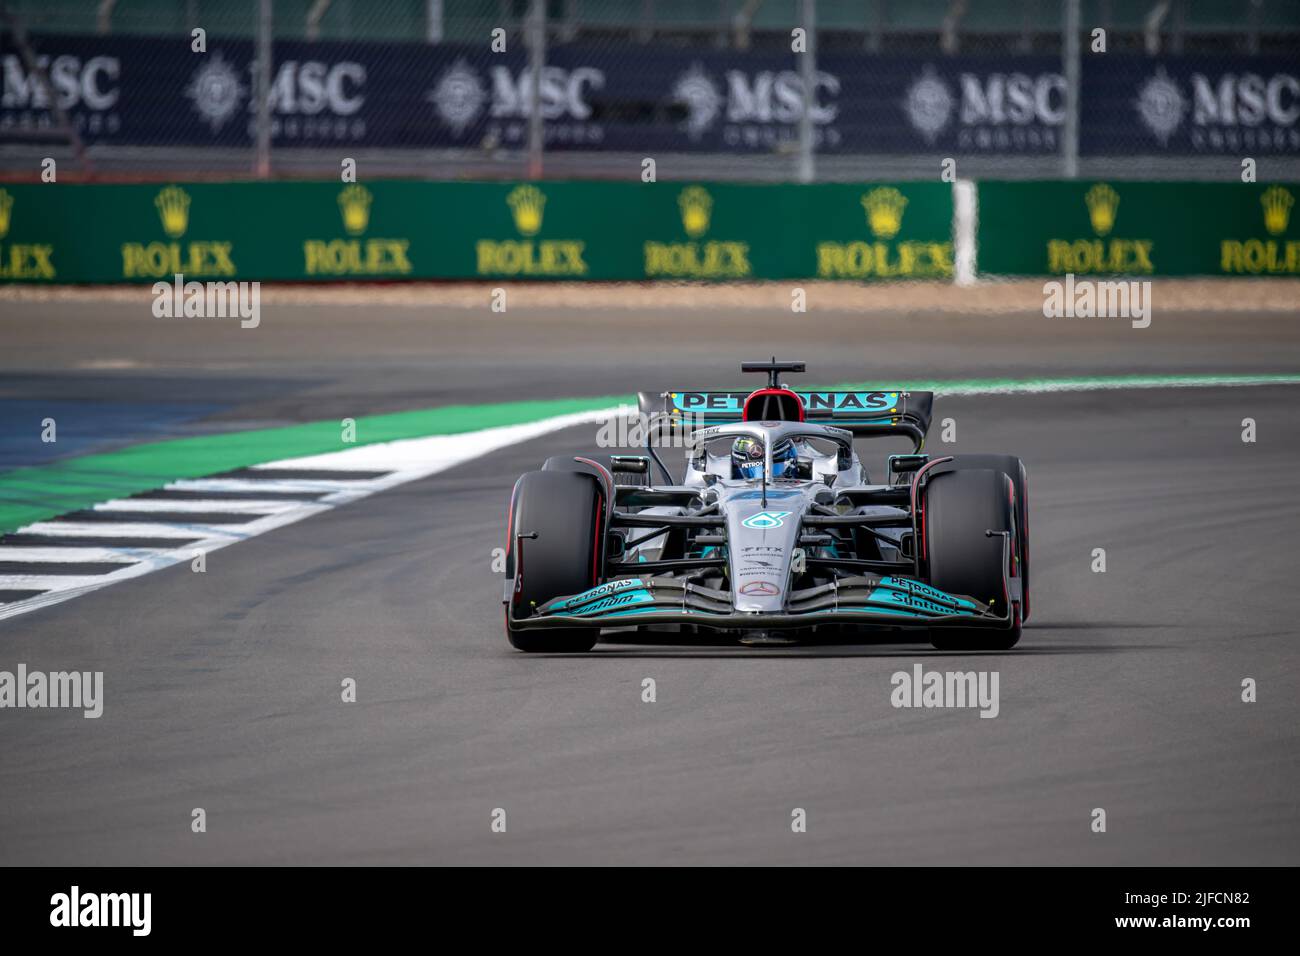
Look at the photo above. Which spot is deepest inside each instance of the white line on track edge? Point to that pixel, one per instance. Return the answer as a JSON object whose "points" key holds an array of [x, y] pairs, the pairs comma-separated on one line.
{"points": [[408, 459]]}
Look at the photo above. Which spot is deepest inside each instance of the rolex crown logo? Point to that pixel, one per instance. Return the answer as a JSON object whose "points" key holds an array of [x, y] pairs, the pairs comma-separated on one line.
{"points": [[354, 204], [884, 208], [526, 204], [1103, 204], [6, 211], [697, 208], [1277, 204], [174, 210]]}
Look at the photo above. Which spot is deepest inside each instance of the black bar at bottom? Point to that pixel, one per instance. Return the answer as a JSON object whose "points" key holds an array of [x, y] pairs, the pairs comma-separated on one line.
{"points": [[979, 904]]}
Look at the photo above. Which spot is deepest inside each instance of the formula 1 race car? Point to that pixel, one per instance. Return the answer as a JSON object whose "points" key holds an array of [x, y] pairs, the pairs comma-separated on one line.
{"points": [[774, 533]]}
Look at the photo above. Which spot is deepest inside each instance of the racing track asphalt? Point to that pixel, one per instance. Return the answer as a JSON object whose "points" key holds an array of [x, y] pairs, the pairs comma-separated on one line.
{"points": [[223, 688]]}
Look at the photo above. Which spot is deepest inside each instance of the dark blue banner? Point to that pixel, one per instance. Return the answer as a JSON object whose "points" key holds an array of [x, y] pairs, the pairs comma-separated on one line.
{"points": [[1191, 105], [636, 98]]}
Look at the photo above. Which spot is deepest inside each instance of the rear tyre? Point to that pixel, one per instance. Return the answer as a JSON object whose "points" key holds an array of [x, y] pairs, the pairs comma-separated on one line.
{"points": [[960, 507], [565, 511]]}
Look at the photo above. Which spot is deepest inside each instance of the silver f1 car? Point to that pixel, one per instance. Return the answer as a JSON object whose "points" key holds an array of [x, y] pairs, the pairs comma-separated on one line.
{"points": [[774, 533]]}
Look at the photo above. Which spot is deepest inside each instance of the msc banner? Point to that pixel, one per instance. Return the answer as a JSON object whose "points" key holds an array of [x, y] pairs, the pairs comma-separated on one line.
{"points": [[1191, 105], [1133, 228], [415, 230], [156, 91]]}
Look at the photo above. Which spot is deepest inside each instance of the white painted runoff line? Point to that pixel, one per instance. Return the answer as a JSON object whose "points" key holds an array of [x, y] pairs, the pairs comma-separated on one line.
{"points": [[265, 486], [123, 529], [202, 506], [72, 555], [1047, 386], [399, 461], [47, 582]]}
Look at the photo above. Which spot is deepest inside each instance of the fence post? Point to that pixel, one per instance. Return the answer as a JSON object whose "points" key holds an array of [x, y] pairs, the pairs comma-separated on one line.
{"points": [[433, 21], [807, 162], [262, 165], [536, 61], [1070, 55]]}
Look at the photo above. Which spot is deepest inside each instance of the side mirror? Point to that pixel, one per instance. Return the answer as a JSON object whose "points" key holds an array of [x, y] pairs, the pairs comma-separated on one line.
{"points": [[630, 464], [615, 544], [901, 464]]}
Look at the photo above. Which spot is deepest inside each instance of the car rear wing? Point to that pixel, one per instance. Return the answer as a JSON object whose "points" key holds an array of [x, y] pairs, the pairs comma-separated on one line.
{"points": [[864, 413]]}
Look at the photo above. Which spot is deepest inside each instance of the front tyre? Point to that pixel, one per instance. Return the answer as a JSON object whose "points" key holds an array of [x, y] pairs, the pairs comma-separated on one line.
{"points": [[562, 515], [960, 508], [1013, 468]]}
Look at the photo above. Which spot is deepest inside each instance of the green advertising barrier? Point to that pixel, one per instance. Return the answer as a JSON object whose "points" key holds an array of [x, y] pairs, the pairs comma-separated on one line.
{"points": [[309, 231], [1136, 228]]}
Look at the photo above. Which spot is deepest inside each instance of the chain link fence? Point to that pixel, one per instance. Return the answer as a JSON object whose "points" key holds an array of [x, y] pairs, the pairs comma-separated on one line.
{"points": [[723, 89]]}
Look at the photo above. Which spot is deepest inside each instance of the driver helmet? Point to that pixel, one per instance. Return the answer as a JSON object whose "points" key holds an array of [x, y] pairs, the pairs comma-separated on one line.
{"points": [[747, 458]]}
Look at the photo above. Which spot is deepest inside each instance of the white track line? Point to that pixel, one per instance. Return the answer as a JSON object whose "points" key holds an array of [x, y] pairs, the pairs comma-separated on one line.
{"points": [[407, 460], [203, 505], [124, 529], [48, 582], [296, 485], [1049, 386], [73, 555]]}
